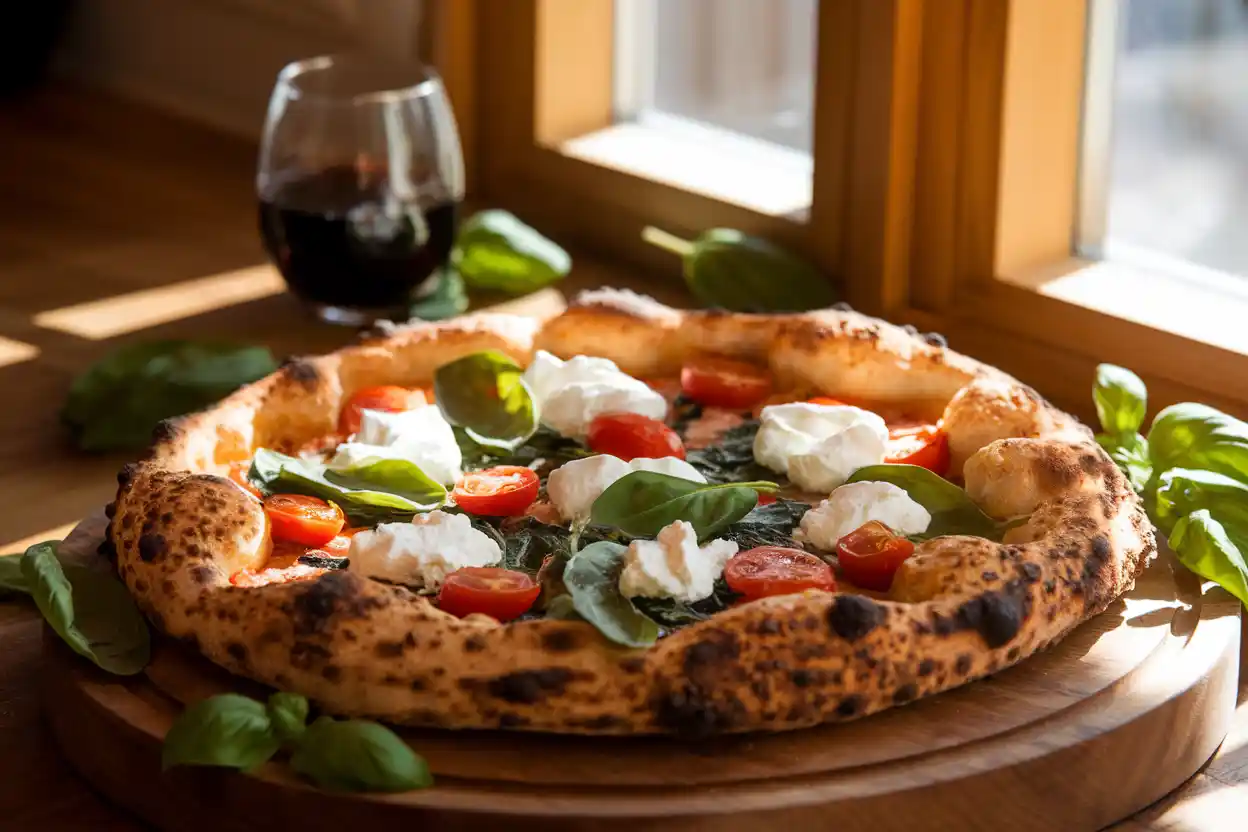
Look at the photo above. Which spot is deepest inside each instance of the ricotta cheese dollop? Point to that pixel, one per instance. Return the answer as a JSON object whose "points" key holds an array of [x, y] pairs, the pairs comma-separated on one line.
{"points": [[850, 506], [423, 552], [819, 446], [573, 486], [571, 393], [673, 565], [422, 436]]}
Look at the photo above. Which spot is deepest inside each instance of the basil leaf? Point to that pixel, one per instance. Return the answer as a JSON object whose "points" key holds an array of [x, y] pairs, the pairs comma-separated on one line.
{"points": [[592, 577], [952, 509], [358, 756], [496, 251], [118, 400], [1121, 399], [486, 394], [228, 730], [1203, 546], [1197, 436], [92, 612], [1130, 452], [375, 491], [447, 300], [1182, 491], [11, 579], [643, 502], [288, 713]]}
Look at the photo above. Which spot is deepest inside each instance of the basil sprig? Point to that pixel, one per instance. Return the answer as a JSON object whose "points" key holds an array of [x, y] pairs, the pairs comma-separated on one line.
{"points": [[643, 502], [233, 731], [485, 394], [592, 578], [91, 611], [952, 509]]}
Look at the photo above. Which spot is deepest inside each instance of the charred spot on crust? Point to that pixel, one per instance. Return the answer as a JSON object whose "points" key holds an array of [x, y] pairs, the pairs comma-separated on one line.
{"points": [[304, 654], [963, 665], [1030, 571], [632, 665], [1095, 583], [561, 640], [389, 649], [127, 472], [853, 616], [717, 649], [201, 574], [331, 672], [237, 651], [989, 576], [905, 693], [335, 593], [997, 615], [301, 371], [801, 678], [474, 644], [926, 667], [690, 712], [528, 687], [151, 546], [849, 706]]}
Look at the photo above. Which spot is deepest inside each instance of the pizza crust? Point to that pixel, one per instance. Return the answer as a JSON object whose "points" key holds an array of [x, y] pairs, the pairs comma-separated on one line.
{"points": [[961, 608]]}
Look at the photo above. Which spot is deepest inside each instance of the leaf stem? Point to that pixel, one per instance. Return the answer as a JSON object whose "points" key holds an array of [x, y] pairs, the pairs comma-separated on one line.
{"points": [[669, 242]]}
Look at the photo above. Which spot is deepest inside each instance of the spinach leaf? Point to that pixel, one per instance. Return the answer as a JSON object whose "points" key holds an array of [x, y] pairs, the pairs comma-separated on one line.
{"points": [[1204, 546], [1197, 436], [1130, 452], [769, 525], [485, 393], [671, 614], [358, 756], [91, 611], [952, 509], [12, 582], [1121, 399], [1182, 491], [376, 491], [229, 730], [448, 299], [731, 457], [592, 577], [643, 502], [497, 251], [116, 402]]}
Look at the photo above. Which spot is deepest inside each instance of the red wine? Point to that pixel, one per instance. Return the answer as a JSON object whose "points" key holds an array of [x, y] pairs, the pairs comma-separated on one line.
{"points": [[340, 237]]}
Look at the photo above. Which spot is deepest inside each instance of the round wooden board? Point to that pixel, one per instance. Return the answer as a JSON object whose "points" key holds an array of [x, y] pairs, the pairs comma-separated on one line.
{"points": [[1119, 713]]}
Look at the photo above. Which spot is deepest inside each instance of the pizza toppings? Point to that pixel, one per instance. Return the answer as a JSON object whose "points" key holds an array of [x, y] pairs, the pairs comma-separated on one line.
{"points": [[504, 594], [926, 446], [870, 555], [572, 393], [631, 435], [421, 436], [238, 475], [777, 570], [306, 520], [502, 491], [389, 399], [724, 382], [819, 446], [574, 486], [853, 505], [673, 565], [423, 552]]}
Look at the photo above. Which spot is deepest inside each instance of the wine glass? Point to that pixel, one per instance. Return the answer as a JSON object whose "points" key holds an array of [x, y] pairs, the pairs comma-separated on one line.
{"points": [[360, 180]]}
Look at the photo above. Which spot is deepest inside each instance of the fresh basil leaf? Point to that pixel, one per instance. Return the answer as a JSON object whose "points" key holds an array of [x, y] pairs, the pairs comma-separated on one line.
{"points": [[228, 730], [485, 393], [730, 458], [91, 611], [1121, 399], [952, 509], [1204, 546], [358, 756], [592, 578], [448, 299], [1183, 491], [643, 502], [288, 713], [376, 491], [769, 525], [1197, 436], [498, 252], [118, 400], [12, 581], [1130, 452]]}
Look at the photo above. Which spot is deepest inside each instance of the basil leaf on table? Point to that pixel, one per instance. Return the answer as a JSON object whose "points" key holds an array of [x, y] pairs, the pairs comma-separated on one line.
{"points": [[448, 299], [91, 611], [952, 509], [1183, 491], [1203, 545], [496, 251], [592, 578], [643, 502], [12, 581], [485, 393], [117, 401], [357, 756], [1121, 399], [1130, 452], [288, 713], [1198, 436], [229, 730]]}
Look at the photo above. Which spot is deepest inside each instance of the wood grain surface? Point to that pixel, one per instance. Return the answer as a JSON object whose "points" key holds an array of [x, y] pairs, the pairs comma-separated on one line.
{"points": [[120, 224]]}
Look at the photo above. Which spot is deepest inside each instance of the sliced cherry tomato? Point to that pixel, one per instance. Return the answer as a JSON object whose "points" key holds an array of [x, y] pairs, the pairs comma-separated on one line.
{"points": [[497, 492], [766, 498], [389, 398], [723, 382], [870, 555], [238, 473], [302, 519], [926, 446], [500, 593], [776, 570], [826, 400], [631, 435], [338, 547]]}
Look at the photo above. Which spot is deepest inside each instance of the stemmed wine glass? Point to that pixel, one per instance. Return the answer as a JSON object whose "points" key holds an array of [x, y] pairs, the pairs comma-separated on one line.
{"points": [[360, 180]]}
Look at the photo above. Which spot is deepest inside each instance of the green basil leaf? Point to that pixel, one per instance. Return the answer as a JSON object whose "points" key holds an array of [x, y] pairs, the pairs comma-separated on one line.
{"points": [[12, 581], [592, 578], [485, 393], [496, 251], [448, 299], [358, 756], [91, 611], [643, 502], [1121, 399], [952, 509], [229, 730], [1204, 546], [1183, 491], [118, 400], [288, 713], [1130, 452], [1197, 436]]}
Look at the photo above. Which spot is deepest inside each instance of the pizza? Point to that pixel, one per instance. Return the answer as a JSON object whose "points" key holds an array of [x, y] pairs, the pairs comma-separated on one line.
{"points": [[714, 523]]}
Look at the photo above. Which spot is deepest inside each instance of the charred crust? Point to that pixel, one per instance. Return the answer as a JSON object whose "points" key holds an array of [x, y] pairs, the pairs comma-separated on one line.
{"points": [[110, 510], [528, 687], [849, 706], [718, 649], [853, 616], [302, 371], [127, 473], [926, 667], [336, 593], [963, 664], [996, 615], [305, 654], [237, 651], [801, 678], [389, 649], [691, 712], [474, 643], [561, 640], [331, 673], [1096, 583], [905, 693], [151, 547]]}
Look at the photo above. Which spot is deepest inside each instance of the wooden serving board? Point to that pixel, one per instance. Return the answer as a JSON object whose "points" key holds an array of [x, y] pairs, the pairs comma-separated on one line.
{"points": [[1104, 723]]}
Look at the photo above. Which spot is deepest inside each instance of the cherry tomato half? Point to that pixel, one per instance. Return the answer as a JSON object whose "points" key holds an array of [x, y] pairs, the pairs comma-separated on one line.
{"points": [[238, 473], [389, 398], [827, 401], [302, 519], [497, 492], [776, 570], [926, 446], [723, 382], [870, 555], [500, 593], [338, 547], [631, 435]]}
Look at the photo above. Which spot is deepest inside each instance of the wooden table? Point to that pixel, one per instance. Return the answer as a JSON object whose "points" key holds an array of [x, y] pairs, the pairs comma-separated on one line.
{"points": [[122, 224]]}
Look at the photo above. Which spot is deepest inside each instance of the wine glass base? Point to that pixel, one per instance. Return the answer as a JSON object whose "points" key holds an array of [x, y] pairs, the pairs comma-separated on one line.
{"points": [[354, 316]]}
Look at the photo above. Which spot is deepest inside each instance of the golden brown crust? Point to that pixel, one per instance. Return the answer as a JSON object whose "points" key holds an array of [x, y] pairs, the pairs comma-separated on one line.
{"points": [[961, 607]]}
